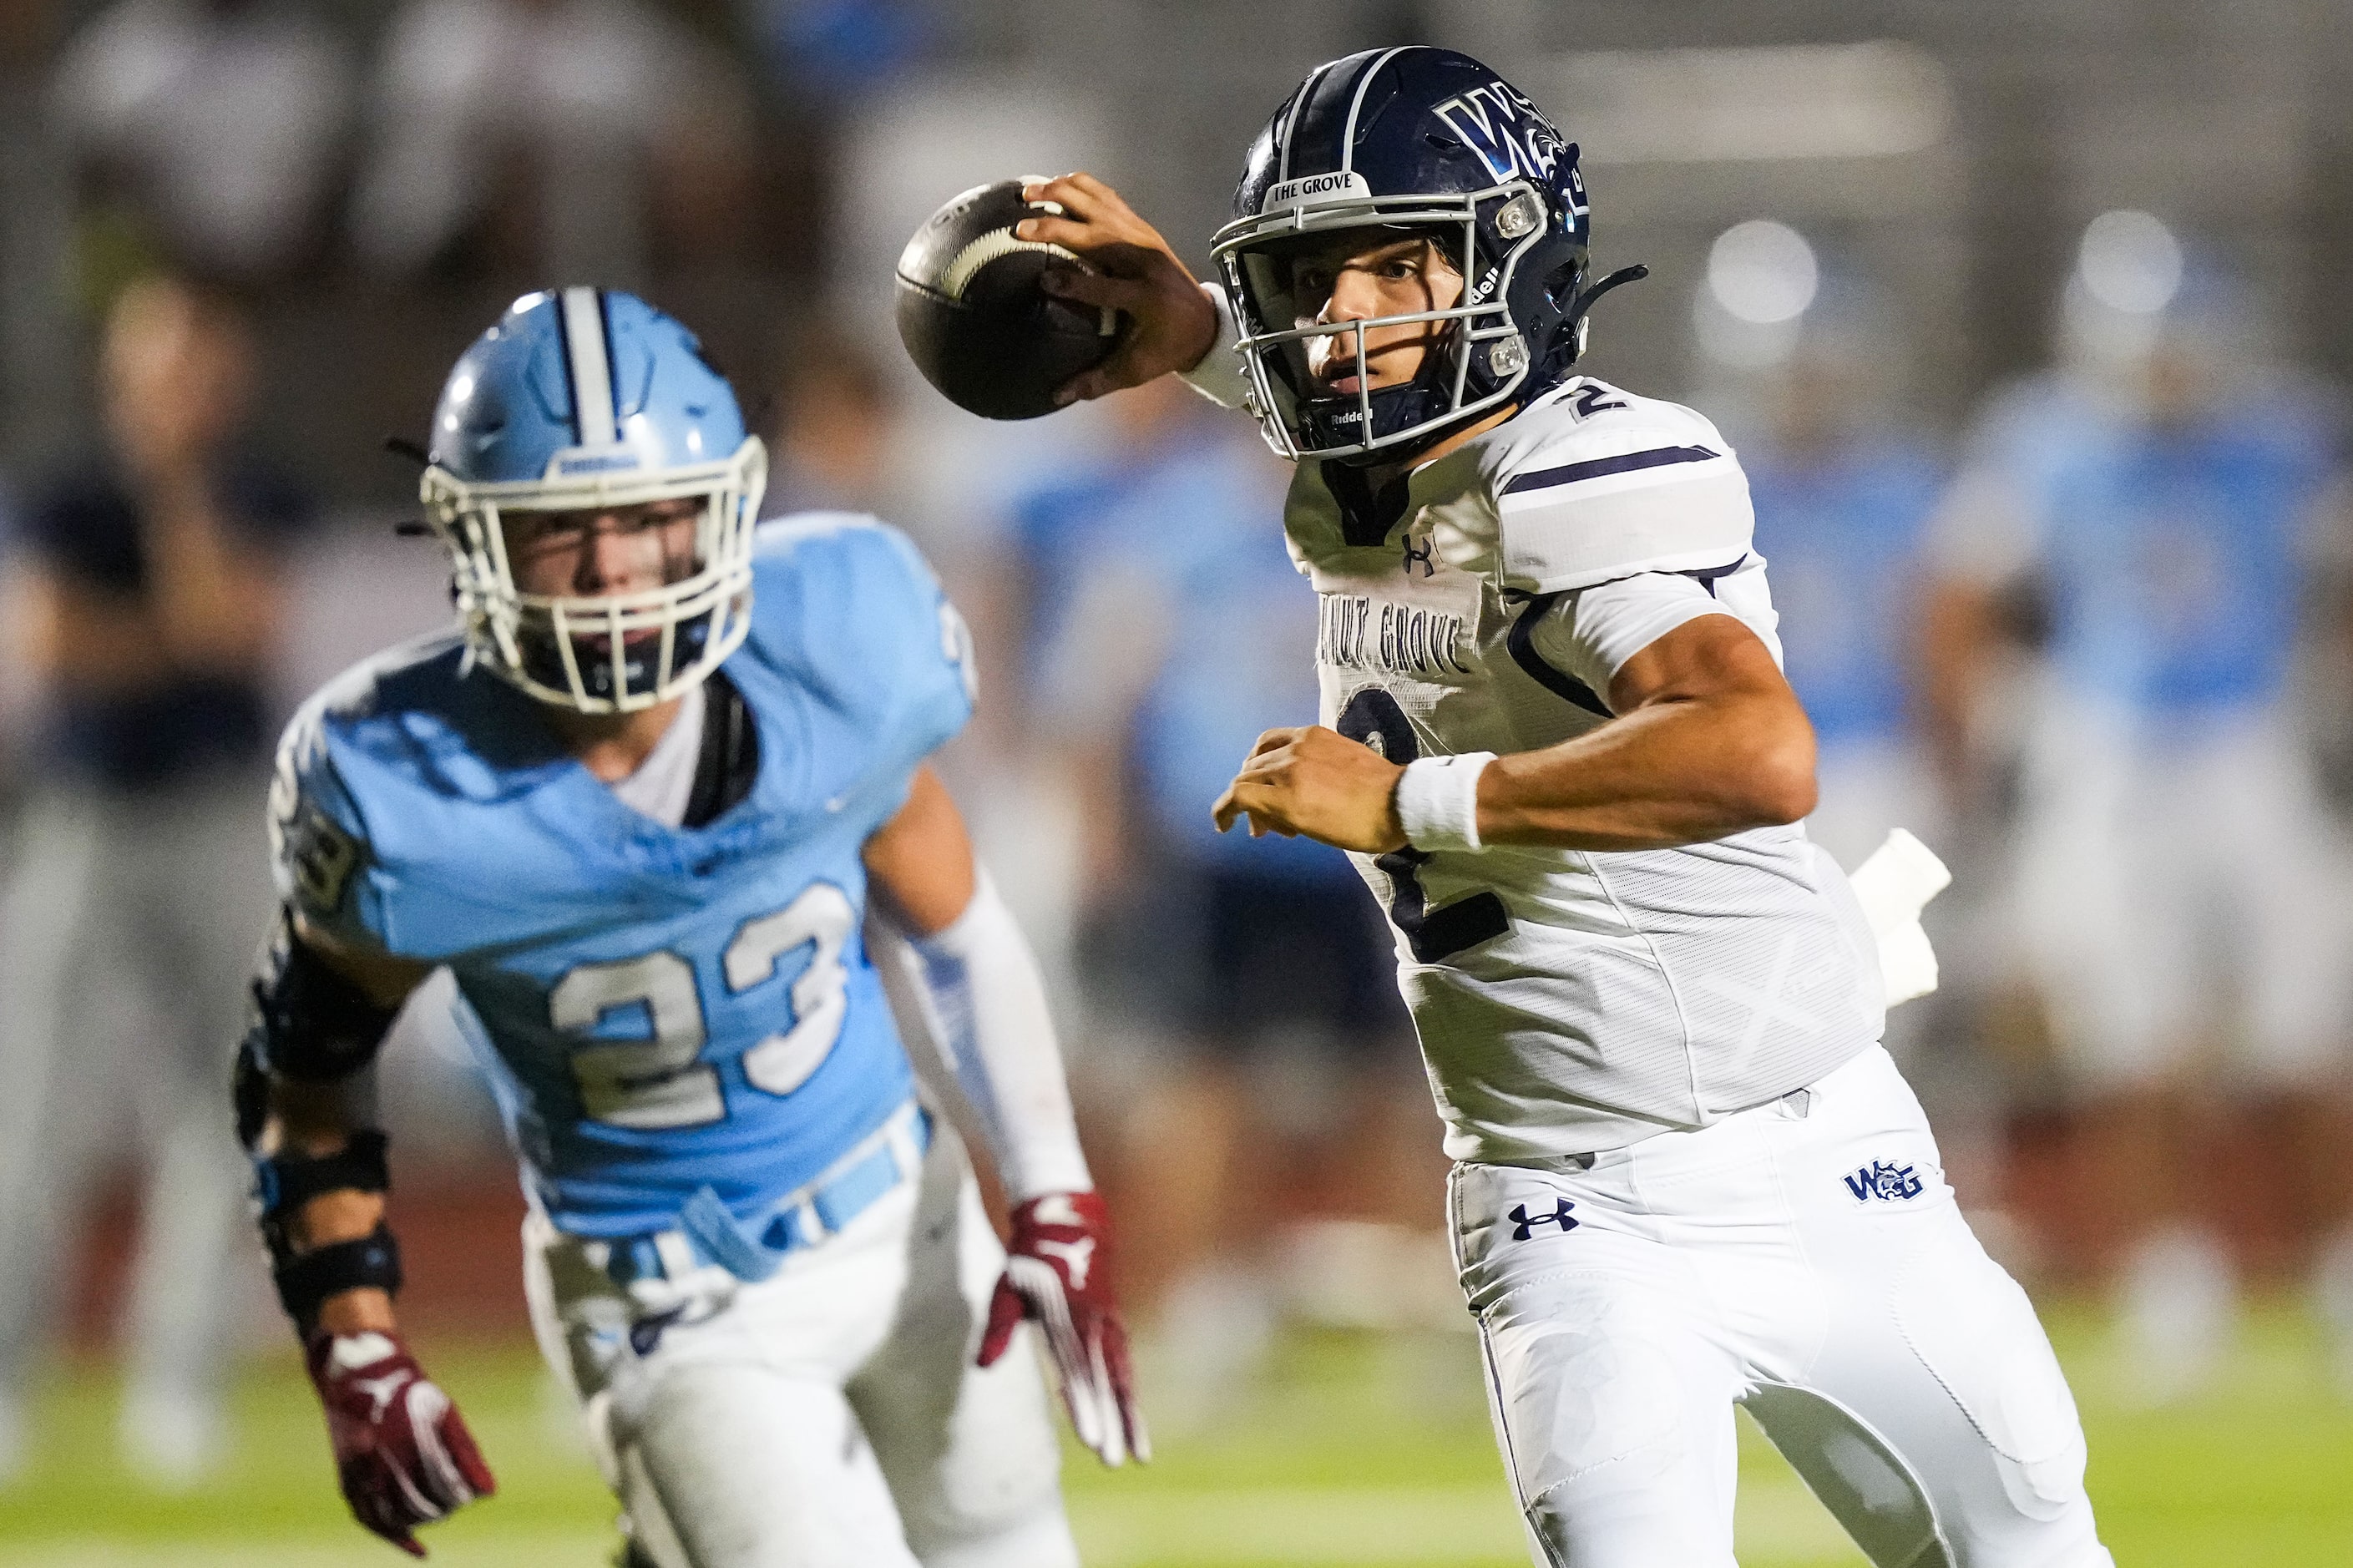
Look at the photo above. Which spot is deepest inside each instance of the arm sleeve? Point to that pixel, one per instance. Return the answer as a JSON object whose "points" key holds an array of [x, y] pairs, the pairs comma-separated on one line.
{"points": [[973, 1004], [1219, 377]]}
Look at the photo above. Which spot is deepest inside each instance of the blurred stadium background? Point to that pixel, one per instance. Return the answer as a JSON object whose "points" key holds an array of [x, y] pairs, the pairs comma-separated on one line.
{"points": [[2031, 318]]}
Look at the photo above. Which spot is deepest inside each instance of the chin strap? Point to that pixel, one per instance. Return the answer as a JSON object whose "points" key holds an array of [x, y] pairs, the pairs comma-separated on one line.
{"points": [[1574, 328]]}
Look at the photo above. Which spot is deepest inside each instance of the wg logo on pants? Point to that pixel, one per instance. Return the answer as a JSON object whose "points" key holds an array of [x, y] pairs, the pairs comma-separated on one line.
{"points": [[1524, 1224], [1890, 1183]]}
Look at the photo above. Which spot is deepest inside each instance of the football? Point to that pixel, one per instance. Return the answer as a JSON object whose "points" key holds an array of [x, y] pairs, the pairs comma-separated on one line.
{"points": [[974, 318]]}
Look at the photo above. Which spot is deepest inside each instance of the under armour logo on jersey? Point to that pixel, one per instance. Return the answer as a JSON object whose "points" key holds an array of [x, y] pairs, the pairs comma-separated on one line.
{"points": [[1428, 549], [1885, 1182], [1525, 1224]]}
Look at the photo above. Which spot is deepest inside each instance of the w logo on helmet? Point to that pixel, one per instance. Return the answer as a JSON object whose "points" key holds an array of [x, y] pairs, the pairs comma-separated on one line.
{"points": [[1507, 130]]}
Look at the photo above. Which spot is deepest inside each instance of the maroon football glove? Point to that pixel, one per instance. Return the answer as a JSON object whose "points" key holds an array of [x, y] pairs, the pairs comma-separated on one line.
{"points": [[1058, 1272], [402, 1452]]}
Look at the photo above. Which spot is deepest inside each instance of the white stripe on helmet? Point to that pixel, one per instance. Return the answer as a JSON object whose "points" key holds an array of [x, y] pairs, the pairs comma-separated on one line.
{"points": [[592, 369]]}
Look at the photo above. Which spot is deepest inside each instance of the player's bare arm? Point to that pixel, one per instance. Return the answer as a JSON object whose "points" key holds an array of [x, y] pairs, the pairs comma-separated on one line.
{"points": [[920, 860], [1172, 326], [1709, 741]]}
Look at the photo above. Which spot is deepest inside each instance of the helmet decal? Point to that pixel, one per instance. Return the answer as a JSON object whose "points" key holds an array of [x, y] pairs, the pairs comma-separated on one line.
{"points": [[1503, 127], [588, 366]]}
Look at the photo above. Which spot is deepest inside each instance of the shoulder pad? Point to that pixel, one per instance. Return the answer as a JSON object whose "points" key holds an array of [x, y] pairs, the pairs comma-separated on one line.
{"points": [[1592, 483], [352, 762], [849, 601], [317, 838], [837, 573]]}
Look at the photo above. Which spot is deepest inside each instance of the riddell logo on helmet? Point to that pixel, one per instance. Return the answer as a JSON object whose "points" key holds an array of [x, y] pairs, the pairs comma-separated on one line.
{"points": [[1315, 189], [1507, 130], [598, 463]]}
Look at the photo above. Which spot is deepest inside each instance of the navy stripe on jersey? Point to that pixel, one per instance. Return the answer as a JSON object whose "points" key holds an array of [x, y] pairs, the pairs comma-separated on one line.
{"points": [[1705, 576], [1559, 682], [1595, 467], [571, 381]]}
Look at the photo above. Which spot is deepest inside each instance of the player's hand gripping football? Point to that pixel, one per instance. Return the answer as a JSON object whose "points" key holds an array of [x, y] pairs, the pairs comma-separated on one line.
{"points": [[1317, 781], [401, 1451], [1058, 1272], [1171, 324]]}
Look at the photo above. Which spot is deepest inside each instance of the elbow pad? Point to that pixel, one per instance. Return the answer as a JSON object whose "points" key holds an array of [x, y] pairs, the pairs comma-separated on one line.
{"points": [[310, 1023]]}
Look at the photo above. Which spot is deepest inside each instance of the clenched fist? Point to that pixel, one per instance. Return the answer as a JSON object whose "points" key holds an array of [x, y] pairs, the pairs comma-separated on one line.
{"points": [[1316, 782]]}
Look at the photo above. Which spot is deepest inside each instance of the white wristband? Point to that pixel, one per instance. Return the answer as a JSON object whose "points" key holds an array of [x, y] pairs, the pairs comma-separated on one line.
{"points": [[1438, 801], [1220, 377]]}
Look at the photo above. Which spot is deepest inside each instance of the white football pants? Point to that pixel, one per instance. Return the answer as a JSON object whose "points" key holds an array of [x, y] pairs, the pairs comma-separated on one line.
{"points": [[830, 1416], [1804, 1258], [2160, 874]]}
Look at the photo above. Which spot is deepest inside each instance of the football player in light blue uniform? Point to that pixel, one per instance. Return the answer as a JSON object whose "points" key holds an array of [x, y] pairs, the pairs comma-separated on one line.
{"points": [[1842, 501], [2174, 847], [635, 803]]}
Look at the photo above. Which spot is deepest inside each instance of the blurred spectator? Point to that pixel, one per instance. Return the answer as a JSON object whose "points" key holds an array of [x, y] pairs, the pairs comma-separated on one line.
{"points": [[825, 53], [150, 605], [2327, 668], [2179, 885], [218, 124], [549, 138], [836, 422], [1843, 492], [1169, 629]]}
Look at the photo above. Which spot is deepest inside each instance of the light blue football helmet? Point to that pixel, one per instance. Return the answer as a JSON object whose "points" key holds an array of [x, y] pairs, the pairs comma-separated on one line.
{"points": [[590, 399]]}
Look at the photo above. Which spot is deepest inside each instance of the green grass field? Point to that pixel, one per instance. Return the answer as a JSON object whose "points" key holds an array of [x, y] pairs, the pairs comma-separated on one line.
{"points": [[1354, 1451]]}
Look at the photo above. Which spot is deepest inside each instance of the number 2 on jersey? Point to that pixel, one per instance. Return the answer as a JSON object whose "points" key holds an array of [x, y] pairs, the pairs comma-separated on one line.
{"points": [[1372, 717], [661, 1081]]}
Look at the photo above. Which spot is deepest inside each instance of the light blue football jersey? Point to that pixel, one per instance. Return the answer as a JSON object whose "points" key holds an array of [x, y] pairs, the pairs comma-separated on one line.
{"points": [[2172, 556], [664, 1009], [1843, 532], [1194, 519], [2169, 552]]}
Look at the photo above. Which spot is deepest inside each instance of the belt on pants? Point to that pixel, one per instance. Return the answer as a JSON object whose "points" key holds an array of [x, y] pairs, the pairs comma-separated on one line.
{"points": [[709, 1233]]}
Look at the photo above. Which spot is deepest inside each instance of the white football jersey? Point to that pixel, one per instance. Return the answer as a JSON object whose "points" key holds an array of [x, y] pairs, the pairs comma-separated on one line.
{"points": [[1570, 1001]]}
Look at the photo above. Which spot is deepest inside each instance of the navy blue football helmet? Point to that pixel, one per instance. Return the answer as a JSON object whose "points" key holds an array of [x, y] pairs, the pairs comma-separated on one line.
{"points": [[1409, 138], [584, 399]]}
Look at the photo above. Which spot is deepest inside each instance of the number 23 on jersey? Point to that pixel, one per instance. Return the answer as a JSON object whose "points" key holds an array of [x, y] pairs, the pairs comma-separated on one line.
{"points": [[661, 1082]]}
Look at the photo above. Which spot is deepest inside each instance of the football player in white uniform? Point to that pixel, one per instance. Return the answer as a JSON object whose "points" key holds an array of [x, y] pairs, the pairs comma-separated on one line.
{"points": [[1556, 739]]}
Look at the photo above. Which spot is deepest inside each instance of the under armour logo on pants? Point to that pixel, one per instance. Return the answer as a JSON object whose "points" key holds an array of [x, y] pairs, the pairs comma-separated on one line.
{"points": [[1525, 1226]]}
